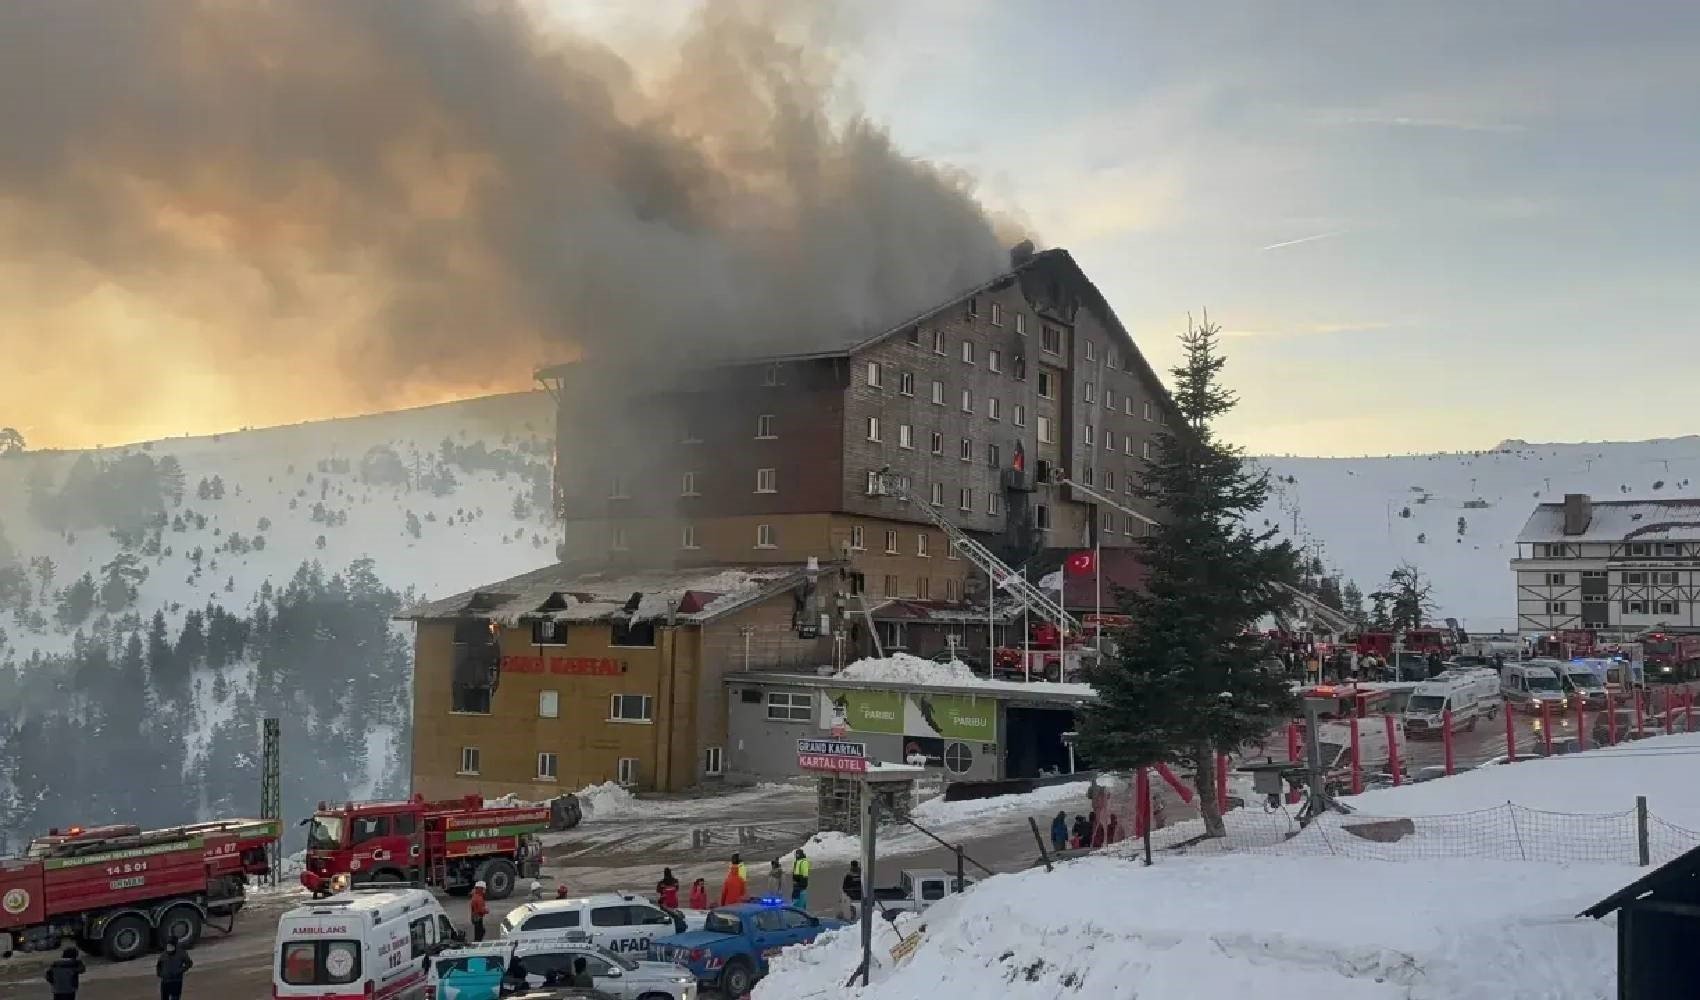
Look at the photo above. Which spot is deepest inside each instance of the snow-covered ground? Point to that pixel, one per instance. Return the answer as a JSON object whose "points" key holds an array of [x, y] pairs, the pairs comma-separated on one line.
{"points": [[1272, 928], [1352, 510], [953, 821]]}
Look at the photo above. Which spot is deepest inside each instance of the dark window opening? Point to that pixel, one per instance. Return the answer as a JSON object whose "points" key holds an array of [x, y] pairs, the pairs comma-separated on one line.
{"points": [[632, 634], [546, 632]]}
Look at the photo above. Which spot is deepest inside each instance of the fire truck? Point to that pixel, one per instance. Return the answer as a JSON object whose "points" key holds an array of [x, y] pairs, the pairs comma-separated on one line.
{"points": [[119, 890], [448, 845], [1565, 645], [1671, 657]]}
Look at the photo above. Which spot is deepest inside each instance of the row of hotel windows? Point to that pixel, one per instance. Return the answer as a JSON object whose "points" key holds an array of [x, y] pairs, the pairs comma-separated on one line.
{"points": [[1050, 337], [994, 361], [1627, 607], [1665, 578], [1045, 428], [628, 771], [1632, 550]]}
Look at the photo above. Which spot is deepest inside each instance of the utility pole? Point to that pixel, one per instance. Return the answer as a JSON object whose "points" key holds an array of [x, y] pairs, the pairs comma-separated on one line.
{"points": [[870, 820], [271, 794]]}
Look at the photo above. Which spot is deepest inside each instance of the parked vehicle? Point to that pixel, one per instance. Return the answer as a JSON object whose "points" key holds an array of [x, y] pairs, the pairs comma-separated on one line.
{"points": [[732, 950], [478, 972], [448, 845], [361, 943], [1468, 694], [624, 923], [1672, 657], [916, 889], [120, 890], [1334, 740], [1582, 682], [1533, 683]]}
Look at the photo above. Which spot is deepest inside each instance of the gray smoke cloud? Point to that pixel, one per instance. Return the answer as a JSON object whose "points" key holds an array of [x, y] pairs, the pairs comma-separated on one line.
{"points": [[441, 193]]}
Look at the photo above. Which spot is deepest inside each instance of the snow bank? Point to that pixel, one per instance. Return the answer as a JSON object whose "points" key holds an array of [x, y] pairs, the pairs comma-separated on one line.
{"points": [[1594, 781], [1274, 928], [945, 818], [609, 800], [903, 668]]}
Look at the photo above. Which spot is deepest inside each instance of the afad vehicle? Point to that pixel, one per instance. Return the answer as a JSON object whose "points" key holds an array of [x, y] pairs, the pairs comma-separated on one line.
{"points": [[120, 890], [448, 845], [1671, 657], [732, 950]]}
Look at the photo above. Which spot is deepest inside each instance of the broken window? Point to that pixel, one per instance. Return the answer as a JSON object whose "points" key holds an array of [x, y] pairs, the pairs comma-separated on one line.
{"points": [[475, 667], [631, 633]]}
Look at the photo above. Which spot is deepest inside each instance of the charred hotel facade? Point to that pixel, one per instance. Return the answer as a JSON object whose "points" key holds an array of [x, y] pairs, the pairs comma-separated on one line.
{"points": [[761, 513]]}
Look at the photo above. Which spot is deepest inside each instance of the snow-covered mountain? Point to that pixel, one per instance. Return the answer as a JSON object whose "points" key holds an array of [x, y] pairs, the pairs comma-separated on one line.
{"points": [[1456, 516]]}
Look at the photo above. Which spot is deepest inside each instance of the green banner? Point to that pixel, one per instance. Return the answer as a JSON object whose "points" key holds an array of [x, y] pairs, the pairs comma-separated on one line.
{"points": [[959, 717], [864, 711], [192, 844], [492, 832]]}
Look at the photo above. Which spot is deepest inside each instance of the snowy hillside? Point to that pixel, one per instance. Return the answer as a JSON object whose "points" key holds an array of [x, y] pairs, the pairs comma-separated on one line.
{"points": [[324, 491], [1364, 516]]}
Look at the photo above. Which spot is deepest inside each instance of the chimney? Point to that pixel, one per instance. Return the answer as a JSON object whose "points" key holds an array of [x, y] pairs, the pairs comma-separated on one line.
{"points": [[1578, 513]]}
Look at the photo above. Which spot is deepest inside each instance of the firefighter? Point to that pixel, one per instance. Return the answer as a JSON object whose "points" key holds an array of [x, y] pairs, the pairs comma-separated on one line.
{"points": [[480, 910], [733, 889], [174, 963], [800, 880], [65, 975]]}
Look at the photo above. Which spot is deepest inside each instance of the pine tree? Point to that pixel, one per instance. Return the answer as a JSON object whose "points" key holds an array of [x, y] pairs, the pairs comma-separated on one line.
{"points": [[171, 479], [1352, 602], [1409, 597], [1188, 681]]}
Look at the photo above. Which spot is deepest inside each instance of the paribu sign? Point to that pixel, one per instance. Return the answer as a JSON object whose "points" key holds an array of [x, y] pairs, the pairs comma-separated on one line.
{"points": [[947, 716]]}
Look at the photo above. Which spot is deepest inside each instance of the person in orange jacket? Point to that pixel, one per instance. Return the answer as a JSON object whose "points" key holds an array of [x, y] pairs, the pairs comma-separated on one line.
{"points": [[733, 889], [480, 910]]}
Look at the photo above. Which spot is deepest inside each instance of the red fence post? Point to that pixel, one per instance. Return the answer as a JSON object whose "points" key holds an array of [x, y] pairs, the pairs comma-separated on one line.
{"points": [[1222, 782], [1357, 760], [1611, 719], [1142, 806], [1670, 694], [1581, 725], [1510, 733], [1393, 749], [1546, 724], [1688, 710], [1446, 738], [1292, 757], [1640, 721]]}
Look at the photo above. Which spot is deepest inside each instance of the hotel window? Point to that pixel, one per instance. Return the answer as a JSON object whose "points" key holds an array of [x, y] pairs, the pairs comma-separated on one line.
{"points": [[994, 360], [548, 704], [914, 335], [764, 537], [938, 495], [890, 542], [1042, 517], [782, 706], [1086, 392], [1050, 339], [997, 314], [1045, 384], [923, 589], [1555, 608], [546, 765], [767, 480], [1109, 398], [764, 427], [905, 436], [617, 540], [938, 443], [1021, 323], [994, 456], [967, 401], [1634, 607], [1109, 440], [1145, 450], [1127, 405], [858, 537], [1020, 370], [950, 589], [1147, 409], [1635, 578], [921, 544], [965, 499], [688, 485], [1018, 415], [1127, 444], [617, 489], [1670, 548], [1045, 430], [938, 341], [993, 408], [938, 393], [771, 375], [1110, 359], [966, 451], [1090, 351], [626, 771], [874, 378], [1638, 549], [1555, 579], [629, 708], [1667, 607], [469, 760], [994, 504], [873, 428], [967, 352], [1089, 476], [1089, 436], [711, 762], [973, 305], [1110, 480], [906, 383], [1667, 579], [688, 537], [891, 586]]}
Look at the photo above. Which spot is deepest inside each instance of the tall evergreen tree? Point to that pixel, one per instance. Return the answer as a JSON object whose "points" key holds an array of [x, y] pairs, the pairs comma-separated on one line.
{"points": [[1187, 681], [1352, 602]]}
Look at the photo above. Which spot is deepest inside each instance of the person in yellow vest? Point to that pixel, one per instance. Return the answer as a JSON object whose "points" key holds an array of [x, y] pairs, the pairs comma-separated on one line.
{"points": [[800, 880]]}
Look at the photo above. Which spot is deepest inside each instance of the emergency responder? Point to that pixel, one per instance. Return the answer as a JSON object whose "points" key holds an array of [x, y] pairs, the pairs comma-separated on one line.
{"points": [[536, 894], [667, 890], [734, 888], [851, 889], [480, 910], [800, 880], [174, 963], [65, 975]]}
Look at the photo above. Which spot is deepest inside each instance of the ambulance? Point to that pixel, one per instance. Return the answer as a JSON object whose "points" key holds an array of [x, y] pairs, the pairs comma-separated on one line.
{"points": [[1468, 694], [371, 944]]}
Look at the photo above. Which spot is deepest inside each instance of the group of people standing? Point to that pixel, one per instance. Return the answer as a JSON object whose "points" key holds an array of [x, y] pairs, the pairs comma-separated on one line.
{"points": [[1085, 831], [64, 977], [735, 887]]}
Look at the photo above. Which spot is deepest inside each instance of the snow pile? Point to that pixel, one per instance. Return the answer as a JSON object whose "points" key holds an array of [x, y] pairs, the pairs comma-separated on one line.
{"points": [[1274, 928], [969, 816], [902, 668], [1594, 781], [609, 800]]}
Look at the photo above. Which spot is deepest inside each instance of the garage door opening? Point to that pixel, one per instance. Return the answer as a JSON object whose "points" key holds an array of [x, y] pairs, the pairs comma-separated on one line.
{"points": [[1035, 741]]}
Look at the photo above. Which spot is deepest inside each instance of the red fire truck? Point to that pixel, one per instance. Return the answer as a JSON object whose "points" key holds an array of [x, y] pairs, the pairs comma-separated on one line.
{"points": [[117, 890], [448, 845], [1671, 657]]}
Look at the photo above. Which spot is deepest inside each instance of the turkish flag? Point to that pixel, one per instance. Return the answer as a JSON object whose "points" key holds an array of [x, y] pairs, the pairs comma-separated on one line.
{"points": [[1081, 563]]}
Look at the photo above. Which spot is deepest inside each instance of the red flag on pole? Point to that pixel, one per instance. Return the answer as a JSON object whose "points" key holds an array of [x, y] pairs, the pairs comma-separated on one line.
{"points": [[1081, 563]]}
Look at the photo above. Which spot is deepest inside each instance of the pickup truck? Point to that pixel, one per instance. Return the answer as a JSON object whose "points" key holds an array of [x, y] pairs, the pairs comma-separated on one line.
{"points": [[731, 951], [916, 889]]}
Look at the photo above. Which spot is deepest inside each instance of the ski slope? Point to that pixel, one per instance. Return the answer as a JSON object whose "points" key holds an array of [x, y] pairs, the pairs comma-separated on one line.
{"points": [[1364, 516]]}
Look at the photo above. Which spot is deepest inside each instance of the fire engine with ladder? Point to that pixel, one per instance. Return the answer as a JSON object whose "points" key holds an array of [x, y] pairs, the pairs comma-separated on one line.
{"points": [[119, 890], [448, 845]]}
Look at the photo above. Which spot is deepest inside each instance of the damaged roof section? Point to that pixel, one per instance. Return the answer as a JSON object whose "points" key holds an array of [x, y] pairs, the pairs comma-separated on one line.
{"points": [[559, 593]]}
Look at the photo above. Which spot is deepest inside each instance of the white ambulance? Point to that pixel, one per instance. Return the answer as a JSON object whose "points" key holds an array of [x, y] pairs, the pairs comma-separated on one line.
{"points": [[1468, 693], [363, 944]]}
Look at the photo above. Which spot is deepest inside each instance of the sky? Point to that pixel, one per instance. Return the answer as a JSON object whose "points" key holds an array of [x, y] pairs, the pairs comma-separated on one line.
{"points": [[1421, 226]]}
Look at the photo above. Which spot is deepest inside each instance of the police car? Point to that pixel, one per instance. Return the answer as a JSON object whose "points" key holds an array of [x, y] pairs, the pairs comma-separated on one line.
{"points": [[480, 971], [624, 923]]}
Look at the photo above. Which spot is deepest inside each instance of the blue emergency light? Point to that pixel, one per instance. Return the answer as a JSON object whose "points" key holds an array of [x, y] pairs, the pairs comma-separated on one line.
{"points": [[771, 901]]}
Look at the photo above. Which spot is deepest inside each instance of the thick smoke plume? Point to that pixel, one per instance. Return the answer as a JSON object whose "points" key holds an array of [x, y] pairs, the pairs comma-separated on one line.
{"points": [[216, 212]]}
